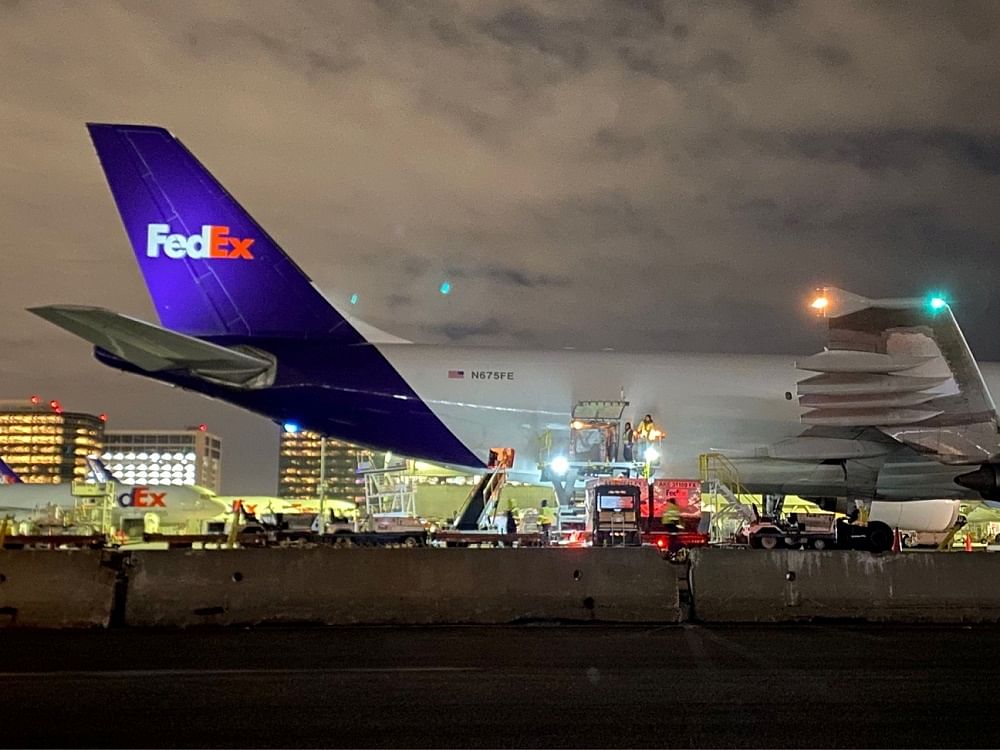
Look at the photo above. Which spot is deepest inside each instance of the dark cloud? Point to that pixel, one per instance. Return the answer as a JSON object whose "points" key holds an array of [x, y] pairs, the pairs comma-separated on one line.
{"points": [[833, 56], [527, 29], [767, 9], [894, 149], [586, 173]]}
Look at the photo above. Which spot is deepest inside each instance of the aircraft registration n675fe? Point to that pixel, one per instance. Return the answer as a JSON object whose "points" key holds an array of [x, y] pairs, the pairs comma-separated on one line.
{"points": [[894, 408]]}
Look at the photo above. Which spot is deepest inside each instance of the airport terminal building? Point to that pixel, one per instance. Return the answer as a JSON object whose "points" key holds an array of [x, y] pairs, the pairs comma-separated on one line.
{"points": [[299, 468], [43, 444], [164, 457]]}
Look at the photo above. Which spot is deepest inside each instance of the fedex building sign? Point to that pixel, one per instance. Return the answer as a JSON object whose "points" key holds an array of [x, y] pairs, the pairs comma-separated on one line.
{"points": [[213, 242]]}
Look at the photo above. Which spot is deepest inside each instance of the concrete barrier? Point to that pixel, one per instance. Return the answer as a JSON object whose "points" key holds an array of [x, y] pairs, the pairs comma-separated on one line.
{"points": [[784, 585], [403, 586], [55, 589]]}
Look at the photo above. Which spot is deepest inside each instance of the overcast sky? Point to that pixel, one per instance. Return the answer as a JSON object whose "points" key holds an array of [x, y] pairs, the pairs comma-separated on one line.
{"points": [[637, 174]]}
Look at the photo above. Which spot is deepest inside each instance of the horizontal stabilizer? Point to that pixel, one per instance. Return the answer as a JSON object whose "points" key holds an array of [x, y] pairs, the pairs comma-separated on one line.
{"points": [[156, 349]]}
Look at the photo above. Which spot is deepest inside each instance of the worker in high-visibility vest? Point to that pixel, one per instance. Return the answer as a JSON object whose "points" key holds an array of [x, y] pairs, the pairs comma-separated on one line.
{"points": [[671, 516], [546, 519]]}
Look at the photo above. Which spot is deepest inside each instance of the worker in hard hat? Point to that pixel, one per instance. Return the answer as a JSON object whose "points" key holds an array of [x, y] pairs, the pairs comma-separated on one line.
{"points": [[671, 516], [546, 519]]}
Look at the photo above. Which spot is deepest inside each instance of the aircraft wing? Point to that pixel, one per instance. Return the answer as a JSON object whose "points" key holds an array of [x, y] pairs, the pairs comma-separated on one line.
{"points": [[155, 349], [901, 366]]}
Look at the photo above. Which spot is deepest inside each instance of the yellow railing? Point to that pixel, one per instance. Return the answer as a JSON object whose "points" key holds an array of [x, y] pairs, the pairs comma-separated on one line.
{"points": [[714, 470], [715, 467]]}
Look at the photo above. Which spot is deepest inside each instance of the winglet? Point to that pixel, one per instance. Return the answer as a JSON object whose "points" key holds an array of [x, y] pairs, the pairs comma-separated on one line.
{"points": [[832, 302]]}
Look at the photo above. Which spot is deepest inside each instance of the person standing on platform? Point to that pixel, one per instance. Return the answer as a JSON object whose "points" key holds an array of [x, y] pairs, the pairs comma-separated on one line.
{"points": [[628, 440]]}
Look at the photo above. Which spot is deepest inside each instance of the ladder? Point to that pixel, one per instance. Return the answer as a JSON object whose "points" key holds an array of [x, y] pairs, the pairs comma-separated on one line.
{"points": [[480, 507], [720, 478], [389, 489], [491, 496]]}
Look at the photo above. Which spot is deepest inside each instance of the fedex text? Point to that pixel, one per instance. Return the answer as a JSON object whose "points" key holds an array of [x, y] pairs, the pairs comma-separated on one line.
{"points": [[141, 497], [213, 242]]}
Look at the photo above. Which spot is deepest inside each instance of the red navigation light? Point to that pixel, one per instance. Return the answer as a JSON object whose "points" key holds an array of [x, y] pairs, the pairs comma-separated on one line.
{"points": [[35, 400], [203, 427], [54, 405], [660, 542], [103, 417]]}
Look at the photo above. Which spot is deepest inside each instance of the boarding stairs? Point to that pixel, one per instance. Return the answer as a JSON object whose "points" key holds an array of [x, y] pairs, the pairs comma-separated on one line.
{"points": [[481, 506], [721, 480]]}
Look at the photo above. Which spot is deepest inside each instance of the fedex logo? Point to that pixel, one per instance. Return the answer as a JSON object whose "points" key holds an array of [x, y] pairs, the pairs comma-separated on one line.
{"points": [[213, 242], [141, 497]]}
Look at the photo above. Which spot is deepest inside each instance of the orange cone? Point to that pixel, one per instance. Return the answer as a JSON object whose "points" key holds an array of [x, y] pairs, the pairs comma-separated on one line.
{"points": [[897, 541], [968, 543]]}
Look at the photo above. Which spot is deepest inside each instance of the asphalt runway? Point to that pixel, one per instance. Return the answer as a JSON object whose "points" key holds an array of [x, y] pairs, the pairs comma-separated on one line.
{"points": [[561, 686]]}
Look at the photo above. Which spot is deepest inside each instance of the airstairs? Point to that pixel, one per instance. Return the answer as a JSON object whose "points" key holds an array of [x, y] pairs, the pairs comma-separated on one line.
{"points": [[732, 505], [480, 509]]}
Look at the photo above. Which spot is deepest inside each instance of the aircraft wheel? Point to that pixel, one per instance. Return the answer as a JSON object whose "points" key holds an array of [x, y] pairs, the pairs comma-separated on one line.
{"points": [[411, 541], [819, 544]]}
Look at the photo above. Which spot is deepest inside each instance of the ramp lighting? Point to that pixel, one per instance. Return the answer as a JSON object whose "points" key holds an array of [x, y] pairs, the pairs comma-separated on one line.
{"points": [[820, 303], [650, 454], [445, 287], [290, 427], [560, 465]]}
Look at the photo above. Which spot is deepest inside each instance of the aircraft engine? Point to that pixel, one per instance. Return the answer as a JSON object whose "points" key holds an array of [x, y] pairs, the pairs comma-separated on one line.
{"points": [[985, 480]]}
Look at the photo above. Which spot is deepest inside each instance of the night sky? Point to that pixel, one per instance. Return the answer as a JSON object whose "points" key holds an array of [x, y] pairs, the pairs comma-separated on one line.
{"points": [[637, 175]]}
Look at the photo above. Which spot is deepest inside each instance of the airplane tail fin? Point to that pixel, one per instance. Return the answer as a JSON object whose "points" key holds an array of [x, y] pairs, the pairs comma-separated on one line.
{"points": [[8, 475], [99, 470], [211, 270]]}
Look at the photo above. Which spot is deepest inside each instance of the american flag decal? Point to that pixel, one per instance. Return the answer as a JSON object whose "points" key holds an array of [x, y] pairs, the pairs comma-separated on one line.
{"points": [[456, 374]]}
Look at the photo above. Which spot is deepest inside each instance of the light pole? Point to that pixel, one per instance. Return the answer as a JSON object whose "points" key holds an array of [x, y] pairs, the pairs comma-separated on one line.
{"points": [[322, 484]]}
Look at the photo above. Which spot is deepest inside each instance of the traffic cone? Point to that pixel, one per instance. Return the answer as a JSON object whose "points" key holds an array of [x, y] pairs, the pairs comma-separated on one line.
{"points": [[897, 541], [968, 543]]}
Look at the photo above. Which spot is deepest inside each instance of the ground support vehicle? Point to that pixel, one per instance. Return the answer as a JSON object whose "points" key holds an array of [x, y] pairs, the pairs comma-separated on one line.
{"points": [[615, 509], [816, 531], [642, 522]]}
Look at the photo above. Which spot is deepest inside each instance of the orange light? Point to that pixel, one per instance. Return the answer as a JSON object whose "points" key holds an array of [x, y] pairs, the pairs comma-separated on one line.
{"points": [[820, 303], [576, 424]]}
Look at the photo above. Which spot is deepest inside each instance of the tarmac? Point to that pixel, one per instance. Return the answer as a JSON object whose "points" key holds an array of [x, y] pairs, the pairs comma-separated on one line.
{"points": [[802, 685]]}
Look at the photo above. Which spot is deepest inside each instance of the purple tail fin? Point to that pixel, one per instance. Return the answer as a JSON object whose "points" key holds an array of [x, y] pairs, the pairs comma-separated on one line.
{"points": [[7, 474], [210, 268]]}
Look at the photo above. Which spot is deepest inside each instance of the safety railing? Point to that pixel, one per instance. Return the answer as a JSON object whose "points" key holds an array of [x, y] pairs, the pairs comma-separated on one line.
{"points": [[720, 477]]}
